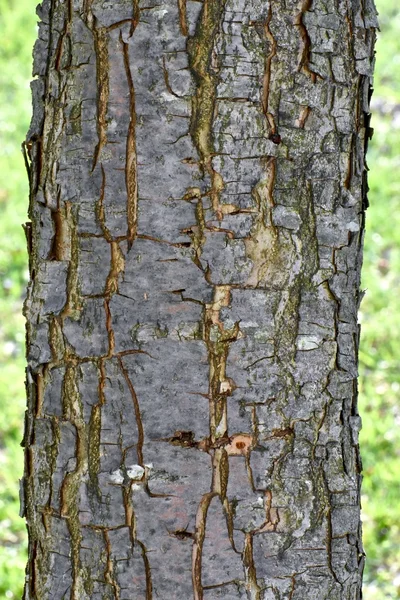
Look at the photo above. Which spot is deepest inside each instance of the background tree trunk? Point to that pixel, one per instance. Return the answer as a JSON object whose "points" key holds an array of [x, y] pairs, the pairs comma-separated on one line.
{"points": [[198, 187]]}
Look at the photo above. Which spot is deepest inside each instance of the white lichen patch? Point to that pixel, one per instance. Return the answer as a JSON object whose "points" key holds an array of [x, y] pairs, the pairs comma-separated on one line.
{"points": [[353, 226], [135, 472], [308, 342], [117, 477]]}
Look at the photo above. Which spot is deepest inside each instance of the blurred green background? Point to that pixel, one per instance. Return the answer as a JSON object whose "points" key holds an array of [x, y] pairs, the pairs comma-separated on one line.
{"points": [[380, 314]]}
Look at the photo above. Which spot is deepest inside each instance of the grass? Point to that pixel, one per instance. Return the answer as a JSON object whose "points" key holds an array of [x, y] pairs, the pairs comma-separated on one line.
{"points": [[380, 324], [380, 310], [17, 34]]}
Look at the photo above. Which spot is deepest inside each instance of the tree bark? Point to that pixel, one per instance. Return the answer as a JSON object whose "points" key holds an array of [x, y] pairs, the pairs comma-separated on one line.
{"points": [[198, 188]]}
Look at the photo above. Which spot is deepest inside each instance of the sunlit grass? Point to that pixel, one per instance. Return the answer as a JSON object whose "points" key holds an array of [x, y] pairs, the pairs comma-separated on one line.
{"points": [[380, 321], [17, 34]]}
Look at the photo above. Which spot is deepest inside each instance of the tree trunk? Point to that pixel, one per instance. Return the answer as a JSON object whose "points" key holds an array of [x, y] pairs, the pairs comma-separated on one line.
{"points": [[198, 187]]}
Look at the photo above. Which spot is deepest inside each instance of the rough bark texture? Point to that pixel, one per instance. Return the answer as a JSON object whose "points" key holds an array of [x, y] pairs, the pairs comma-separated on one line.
{"points": [[198, 187]]}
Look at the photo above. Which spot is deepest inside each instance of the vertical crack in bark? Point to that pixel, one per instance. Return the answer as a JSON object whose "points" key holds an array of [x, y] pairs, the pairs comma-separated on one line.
{"points": [[328, 517], [252, 587], [329, 542], [109, 328], [199, 536], [69, 492], [95, 431], [267, 73], [131, 156], [147, 570], [293, 587], [217, 340], [69, 250], [109, 570], [61, 246], [220, 472], [349, 174], [200, 49], [136, 407], [58, 63], [117, 268], [166, 79], [262, 246], [100, 212], [94, 437], [56, 342], [305, 51], [183, 17], [197, 232], [55, 425], [49, 142], [229, 515], [130, 518], [135, 16], [39, 384], [100, 36]]}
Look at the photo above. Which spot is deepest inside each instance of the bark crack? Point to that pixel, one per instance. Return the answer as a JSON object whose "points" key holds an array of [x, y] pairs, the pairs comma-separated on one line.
{"points": [[183, 17], [200, 534], [203, 66], [109, 571], [131, 156], [137, 412], [100, 36], [305, 52], [69, 492], [252, 587], [267, 73]]}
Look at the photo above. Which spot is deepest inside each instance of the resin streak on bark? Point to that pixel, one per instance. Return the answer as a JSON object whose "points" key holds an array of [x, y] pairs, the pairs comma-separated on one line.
{"points": [[198, 187]]}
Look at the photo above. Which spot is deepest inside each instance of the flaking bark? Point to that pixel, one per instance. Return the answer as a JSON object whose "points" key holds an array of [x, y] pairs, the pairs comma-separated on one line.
{"points": [[198, 188]]}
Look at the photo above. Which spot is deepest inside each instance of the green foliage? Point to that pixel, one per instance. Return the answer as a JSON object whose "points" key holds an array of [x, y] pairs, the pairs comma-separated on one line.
{"points": [[380, 323], [380, 314], [17, 34]]}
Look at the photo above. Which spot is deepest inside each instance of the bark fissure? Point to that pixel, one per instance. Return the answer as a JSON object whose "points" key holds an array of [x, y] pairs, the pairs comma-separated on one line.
{"points": [[100, 36], [109, 572], [131, 159], [304, 56], [252, 587], [205, 71], [267, 72], [70, 486], [183, 17], [137, 412], [149, 584], [200, 534]]}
